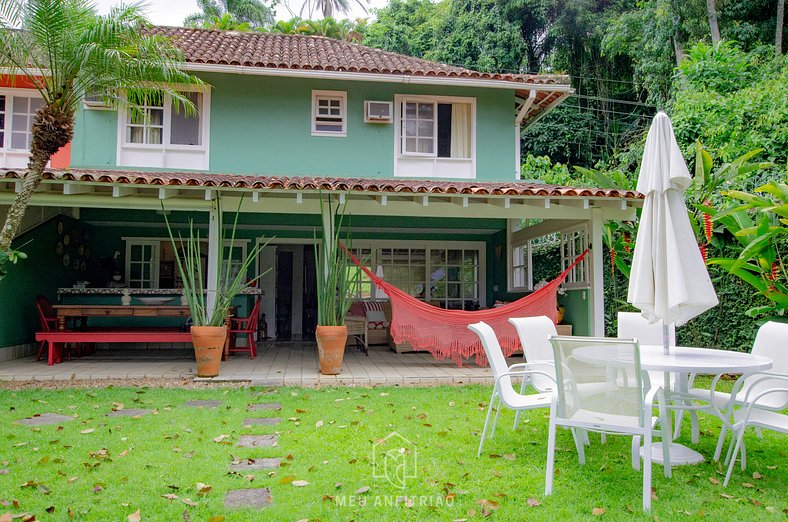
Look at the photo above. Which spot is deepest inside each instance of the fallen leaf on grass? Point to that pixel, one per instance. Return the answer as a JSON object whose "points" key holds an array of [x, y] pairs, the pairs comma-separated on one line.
{"points": [[598, 512], [771, 467], [117, 406], [3, 472], [319, 424], [134, 517], [300, 483], [488, 504], [725, 495], [756, 475], [362, 490], [509, 456], [714, 481], [190, 502], [216, 518], [220, 438], [287, 479], [203, 489], [747, 485], [532, 502], [6, 517], [89, 430], [170, 496]]}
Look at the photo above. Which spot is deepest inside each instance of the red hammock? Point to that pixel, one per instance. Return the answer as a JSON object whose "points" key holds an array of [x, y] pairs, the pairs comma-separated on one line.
{"points": [[444, 333]]}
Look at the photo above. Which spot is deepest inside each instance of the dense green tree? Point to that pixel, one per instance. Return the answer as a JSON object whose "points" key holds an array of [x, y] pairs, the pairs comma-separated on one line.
{"points": [[80, 53], [406, 27], [256, 13]]}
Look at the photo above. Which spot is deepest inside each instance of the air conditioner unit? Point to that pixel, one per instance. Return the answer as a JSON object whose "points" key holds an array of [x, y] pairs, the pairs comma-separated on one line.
{"points": [[94, 101], [378, 111]]}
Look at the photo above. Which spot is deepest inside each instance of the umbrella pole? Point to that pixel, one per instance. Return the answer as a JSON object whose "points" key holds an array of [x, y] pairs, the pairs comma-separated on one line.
{"points": [[665, 338]]}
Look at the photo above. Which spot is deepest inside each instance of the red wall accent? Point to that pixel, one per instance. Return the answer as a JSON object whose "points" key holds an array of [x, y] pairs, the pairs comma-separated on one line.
{"points": [[62, 158], [19, 82]]}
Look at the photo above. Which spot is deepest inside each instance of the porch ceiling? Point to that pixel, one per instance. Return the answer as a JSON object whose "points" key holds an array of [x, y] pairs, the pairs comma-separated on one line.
{"points": [[402, 197]]}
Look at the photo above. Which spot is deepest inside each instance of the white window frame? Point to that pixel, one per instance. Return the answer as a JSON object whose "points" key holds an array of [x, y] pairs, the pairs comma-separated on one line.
{"points": [[574, 241], [341, 96], [156, 243], [479, 246], [434, 166], [154, 261], [10, 157], [157, 153], [513, 241]]}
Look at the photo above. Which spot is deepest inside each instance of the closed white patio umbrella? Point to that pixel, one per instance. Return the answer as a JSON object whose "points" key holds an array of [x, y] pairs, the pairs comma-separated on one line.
{"points": [[669, 280]]}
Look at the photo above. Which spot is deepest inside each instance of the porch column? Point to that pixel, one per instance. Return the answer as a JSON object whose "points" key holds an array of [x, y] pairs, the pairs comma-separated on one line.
{"points": [[596, 304], [214, 240], [328, 234]]}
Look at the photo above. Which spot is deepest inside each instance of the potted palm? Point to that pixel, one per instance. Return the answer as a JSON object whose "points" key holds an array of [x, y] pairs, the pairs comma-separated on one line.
{"points": [[209, 329], [336, 279]]}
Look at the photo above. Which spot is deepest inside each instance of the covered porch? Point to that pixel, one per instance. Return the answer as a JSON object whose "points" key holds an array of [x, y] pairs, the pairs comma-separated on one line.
{"points": [[458, 245]]}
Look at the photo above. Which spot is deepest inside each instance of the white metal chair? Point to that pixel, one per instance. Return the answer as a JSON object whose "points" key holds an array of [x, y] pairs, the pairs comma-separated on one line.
{"points": [[534, 334], [632, 325], [769, 342], [765, 397], [503, 392], [622, 406]]}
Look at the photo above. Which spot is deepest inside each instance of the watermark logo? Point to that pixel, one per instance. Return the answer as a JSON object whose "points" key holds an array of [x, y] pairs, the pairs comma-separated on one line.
{"points": [[395, 459]]}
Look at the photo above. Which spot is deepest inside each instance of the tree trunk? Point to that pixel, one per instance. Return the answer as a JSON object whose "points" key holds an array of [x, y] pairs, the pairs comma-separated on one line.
{"points": [[711, 8], [678, 48], [52, 129], [328, 9], [778, 40]]}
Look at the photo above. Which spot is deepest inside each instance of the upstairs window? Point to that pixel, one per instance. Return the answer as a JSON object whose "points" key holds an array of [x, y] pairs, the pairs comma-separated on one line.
{"points": [[16, 120], [161, 120], [434, 128], [157, 132], [329, 113]]}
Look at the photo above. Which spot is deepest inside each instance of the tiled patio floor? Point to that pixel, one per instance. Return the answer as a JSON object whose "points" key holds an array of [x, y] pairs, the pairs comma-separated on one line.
{"points": [[276, 364]]}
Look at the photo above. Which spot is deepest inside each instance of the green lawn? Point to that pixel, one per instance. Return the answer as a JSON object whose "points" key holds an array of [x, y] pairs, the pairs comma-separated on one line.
{"points": [[106, 468]]}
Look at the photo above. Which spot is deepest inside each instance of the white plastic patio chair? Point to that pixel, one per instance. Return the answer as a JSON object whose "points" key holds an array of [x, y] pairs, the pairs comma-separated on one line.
{"points": [[769, 342], [765, 388], [622, 407], [503, 391], [632, 325], [534, 334]]}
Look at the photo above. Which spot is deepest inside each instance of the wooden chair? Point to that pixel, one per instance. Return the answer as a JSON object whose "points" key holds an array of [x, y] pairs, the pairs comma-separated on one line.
{"points": [[248, 326], [48, 322]]}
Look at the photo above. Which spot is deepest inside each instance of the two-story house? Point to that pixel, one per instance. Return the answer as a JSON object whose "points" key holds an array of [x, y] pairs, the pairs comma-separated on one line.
{"points": [[426, 155]]}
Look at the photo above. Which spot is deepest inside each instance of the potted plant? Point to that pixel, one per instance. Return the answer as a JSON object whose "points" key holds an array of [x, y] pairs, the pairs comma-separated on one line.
{"points": [[209, 329], [336, 279]]}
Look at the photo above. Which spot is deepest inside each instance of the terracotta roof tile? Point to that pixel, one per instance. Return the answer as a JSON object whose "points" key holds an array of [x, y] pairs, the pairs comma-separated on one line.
{"points": [[397, 186], [288, 51]]}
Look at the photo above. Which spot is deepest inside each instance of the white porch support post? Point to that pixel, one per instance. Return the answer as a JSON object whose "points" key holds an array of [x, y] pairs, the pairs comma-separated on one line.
{"points": [[596, 304], [214, 244]]}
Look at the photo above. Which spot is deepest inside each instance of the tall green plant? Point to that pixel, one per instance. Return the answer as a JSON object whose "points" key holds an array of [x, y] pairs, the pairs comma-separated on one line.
{"points": [[336, 276], [759, 222], [68, 52], [188, 256]]}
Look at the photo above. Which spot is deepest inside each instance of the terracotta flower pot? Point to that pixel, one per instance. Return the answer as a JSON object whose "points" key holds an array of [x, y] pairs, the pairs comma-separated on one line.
{"points": [[331, 342], [208, 344]]}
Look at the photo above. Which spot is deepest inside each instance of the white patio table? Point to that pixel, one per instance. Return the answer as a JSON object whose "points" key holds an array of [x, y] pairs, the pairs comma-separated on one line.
{"points": [[683, 361]]}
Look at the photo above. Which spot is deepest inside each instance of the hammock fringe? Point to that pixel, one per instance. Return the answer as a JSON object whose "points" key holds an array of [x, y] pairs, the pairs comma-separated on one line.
{"points": [[444, 333]]}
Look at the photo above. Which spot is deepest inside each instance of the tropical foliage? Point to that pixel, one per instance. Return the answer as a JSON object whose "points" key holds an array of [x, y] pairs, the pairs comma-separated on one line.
{"points": [[68, 52], [239, 15], [231, 278], [336, 276]]}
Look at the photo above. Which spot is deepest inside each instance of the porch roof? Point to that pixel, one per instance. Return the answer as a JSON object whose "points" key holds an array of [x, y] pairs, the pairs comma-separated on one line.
{"points": [[313, 183]]}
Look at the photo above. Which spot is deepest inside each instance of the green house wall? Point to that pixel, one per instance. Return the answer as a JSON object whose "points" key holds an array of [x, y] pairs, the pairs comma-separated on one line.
{"points": [[262, 125]]}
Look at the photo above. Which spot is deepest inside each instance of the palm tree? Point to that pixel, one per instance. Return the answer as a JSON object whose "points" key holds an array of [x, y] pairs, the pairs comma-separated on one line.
{"points": [[329, 7], [67, 51], [253, 12], [226, 22], [293, 26]]}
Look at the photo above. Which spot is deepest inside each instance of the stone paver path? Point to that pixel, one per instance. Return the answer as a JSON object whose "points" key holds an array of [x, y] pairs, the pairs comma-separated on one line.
{"points": [[266, 406], [256, 441], [255, 498], [203, 404], [45, 419], [250, 464], [131, 412], [261, 421]]}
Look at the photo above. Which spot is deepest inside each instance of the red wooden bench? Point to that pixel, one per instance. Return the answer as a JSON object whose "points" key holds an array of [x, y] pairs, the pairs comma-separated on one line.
{"points": [[148, 335]]}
